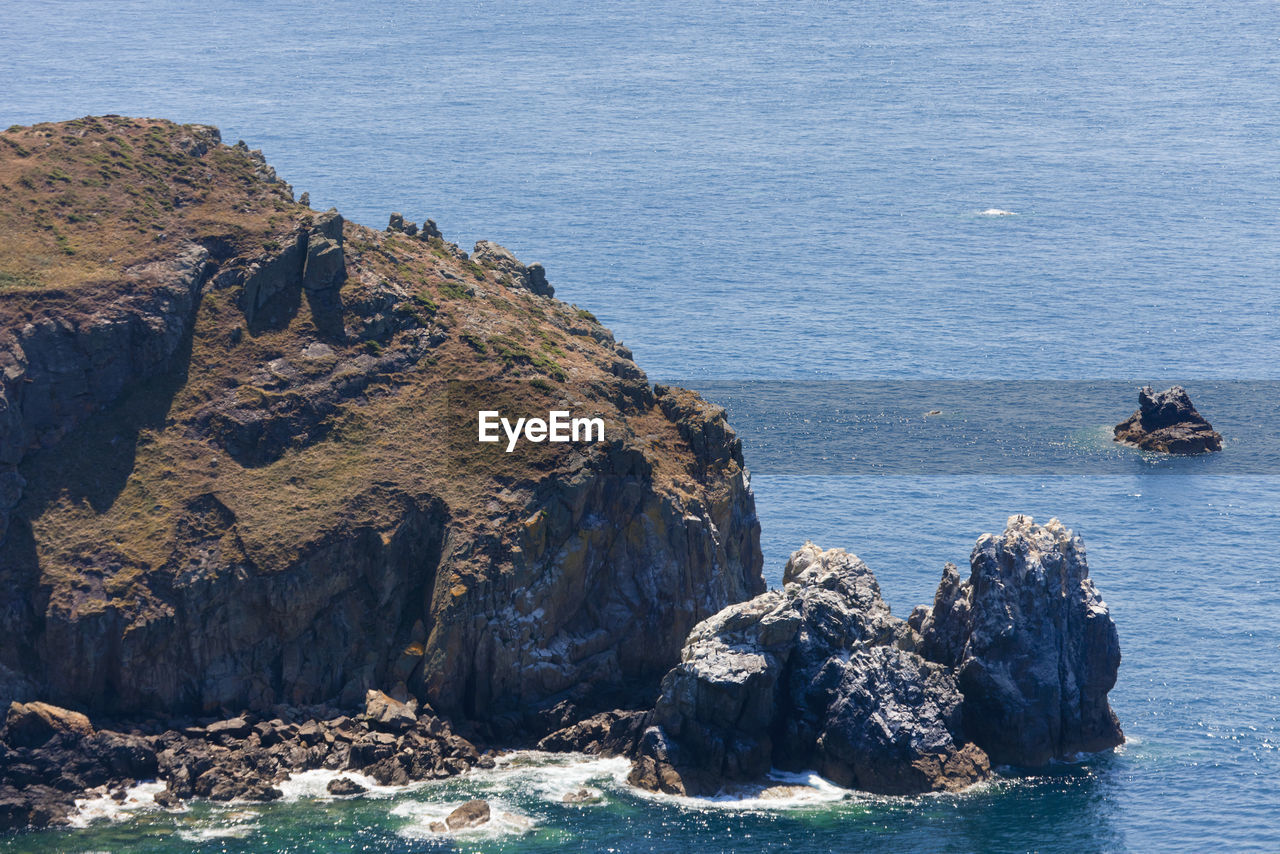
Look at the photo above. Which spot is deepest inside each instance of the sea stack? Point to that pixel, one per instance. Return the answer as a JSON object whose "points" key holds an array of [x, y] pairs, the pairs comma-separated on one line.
{"points": [[1167, 422], [1011, 666]]}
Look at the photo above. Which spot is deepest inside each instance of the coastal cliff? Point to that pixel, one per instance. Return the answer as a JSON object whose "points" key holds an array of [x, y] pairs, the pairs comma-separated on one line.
{"points": [[238, 466]]}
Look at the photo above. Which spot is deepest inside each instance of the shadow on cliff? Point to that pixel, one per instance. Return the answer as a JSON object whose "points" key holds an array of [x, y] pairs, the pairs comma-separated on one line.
{"points": [[92, 464], [89, 466]]}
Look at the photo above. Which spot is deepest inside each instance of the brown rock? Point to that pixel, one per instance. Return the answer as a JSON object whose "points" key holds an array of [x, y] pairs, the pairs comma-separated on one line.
{"points": [[32, 724], [344, 786], [471, 814]]}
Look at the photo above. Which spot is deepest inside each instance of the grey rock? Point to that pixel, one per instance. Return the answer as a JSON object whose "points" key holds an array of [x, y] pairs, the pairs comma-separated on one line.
{"points": [[510, 271], [1032, 643], [1167, 422], [398, 224], [615, 733], [810, 676]]}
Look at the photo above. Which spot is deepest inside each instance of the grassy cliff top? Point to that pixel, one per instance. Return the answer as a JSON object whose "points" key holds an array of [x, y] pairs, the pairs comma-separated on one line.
{"points": [[83, 201], [259, 440]]}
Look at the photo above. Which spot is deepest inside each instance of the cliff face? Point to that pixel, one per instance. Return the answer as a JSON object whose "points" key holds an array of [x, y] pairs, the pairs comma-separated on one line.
{"points": [[238, 464]]}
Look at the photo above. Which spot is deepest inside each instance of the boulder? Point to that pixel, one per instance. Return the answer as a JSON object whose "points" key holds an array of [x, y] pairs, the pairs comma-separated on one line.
{"points": [[389, 713], [471, 814], [33, 724], [237, 727], [1168, 423], [344, 786], [1032, 644]]}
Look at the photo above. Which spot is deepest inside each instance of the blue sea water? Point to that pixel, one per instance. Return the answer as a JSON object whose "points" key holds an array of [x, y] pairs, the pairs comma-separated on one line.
{"points": [[801, 197]]}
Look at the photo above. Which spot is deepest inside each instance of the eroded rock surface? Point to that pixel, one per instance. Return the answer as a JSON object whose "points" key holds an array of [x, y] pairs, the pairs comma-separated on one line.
{"points": [[1032, 644], [1168, 422]]}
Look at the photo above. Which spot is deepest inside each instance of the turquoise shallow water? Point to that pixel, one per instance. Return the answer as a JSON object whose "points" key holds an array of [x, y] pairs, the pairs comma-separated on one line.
{"points": [[752, 192]]}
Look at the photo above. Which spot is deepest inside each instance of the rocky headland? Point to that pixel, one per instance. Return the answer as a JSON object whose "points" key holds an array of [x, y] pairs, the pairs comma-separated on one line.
{"points": [[238, 467], [1168, 423], [246, 528]]}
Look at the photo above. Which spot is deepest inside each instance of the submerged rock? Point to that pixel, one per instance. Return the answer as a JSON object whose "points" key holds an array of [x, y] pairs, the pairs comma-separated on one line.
{"points": [[816, 675], [1167, 422], [471, 814], [582, 796], [1032, 643], [343, 786]]}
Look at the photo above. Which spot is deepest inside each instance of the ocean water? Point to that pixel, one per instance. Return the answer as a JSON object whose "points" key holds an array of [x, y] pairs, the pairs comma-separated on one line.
{"points": [[867, 211]]}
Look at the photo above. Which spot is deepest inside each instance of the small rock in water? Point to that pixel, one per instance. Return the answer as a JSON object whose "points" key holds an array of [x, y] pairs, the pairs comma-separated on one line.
{"points": [[471, 814], [345, 786], [582, 796], [1168, 423]]}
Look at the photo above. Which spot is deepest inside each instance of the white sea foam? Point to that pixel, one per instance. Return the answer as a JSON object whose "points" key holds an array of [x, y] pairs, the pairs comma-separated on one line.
{"points": [[314, 784], [234, 824], [98, 808], [784, 790], [551, 776], [504, 820], [996, 212]]}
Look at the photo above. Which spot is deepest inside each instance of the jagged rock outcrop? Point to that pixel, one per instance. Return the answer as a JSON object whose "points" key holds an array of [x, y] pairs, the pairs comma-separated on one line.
{"points": [[1167, 422], [497, 258], [613, 733], [817, 675], [237, 452], [1032, 644]]}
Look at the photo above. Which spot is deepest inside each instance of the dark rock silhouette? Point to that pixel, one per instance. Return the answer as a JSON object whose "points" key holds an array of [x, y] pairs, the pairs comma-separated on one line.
{"points": [[1167, 422]]}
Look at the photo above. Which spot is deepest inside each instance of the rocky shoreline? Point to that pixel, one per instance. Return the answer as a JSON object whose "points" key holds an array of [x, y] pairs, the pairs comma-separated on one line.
{"points": [[1010, 666], [50, 757], [238, 471]]}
